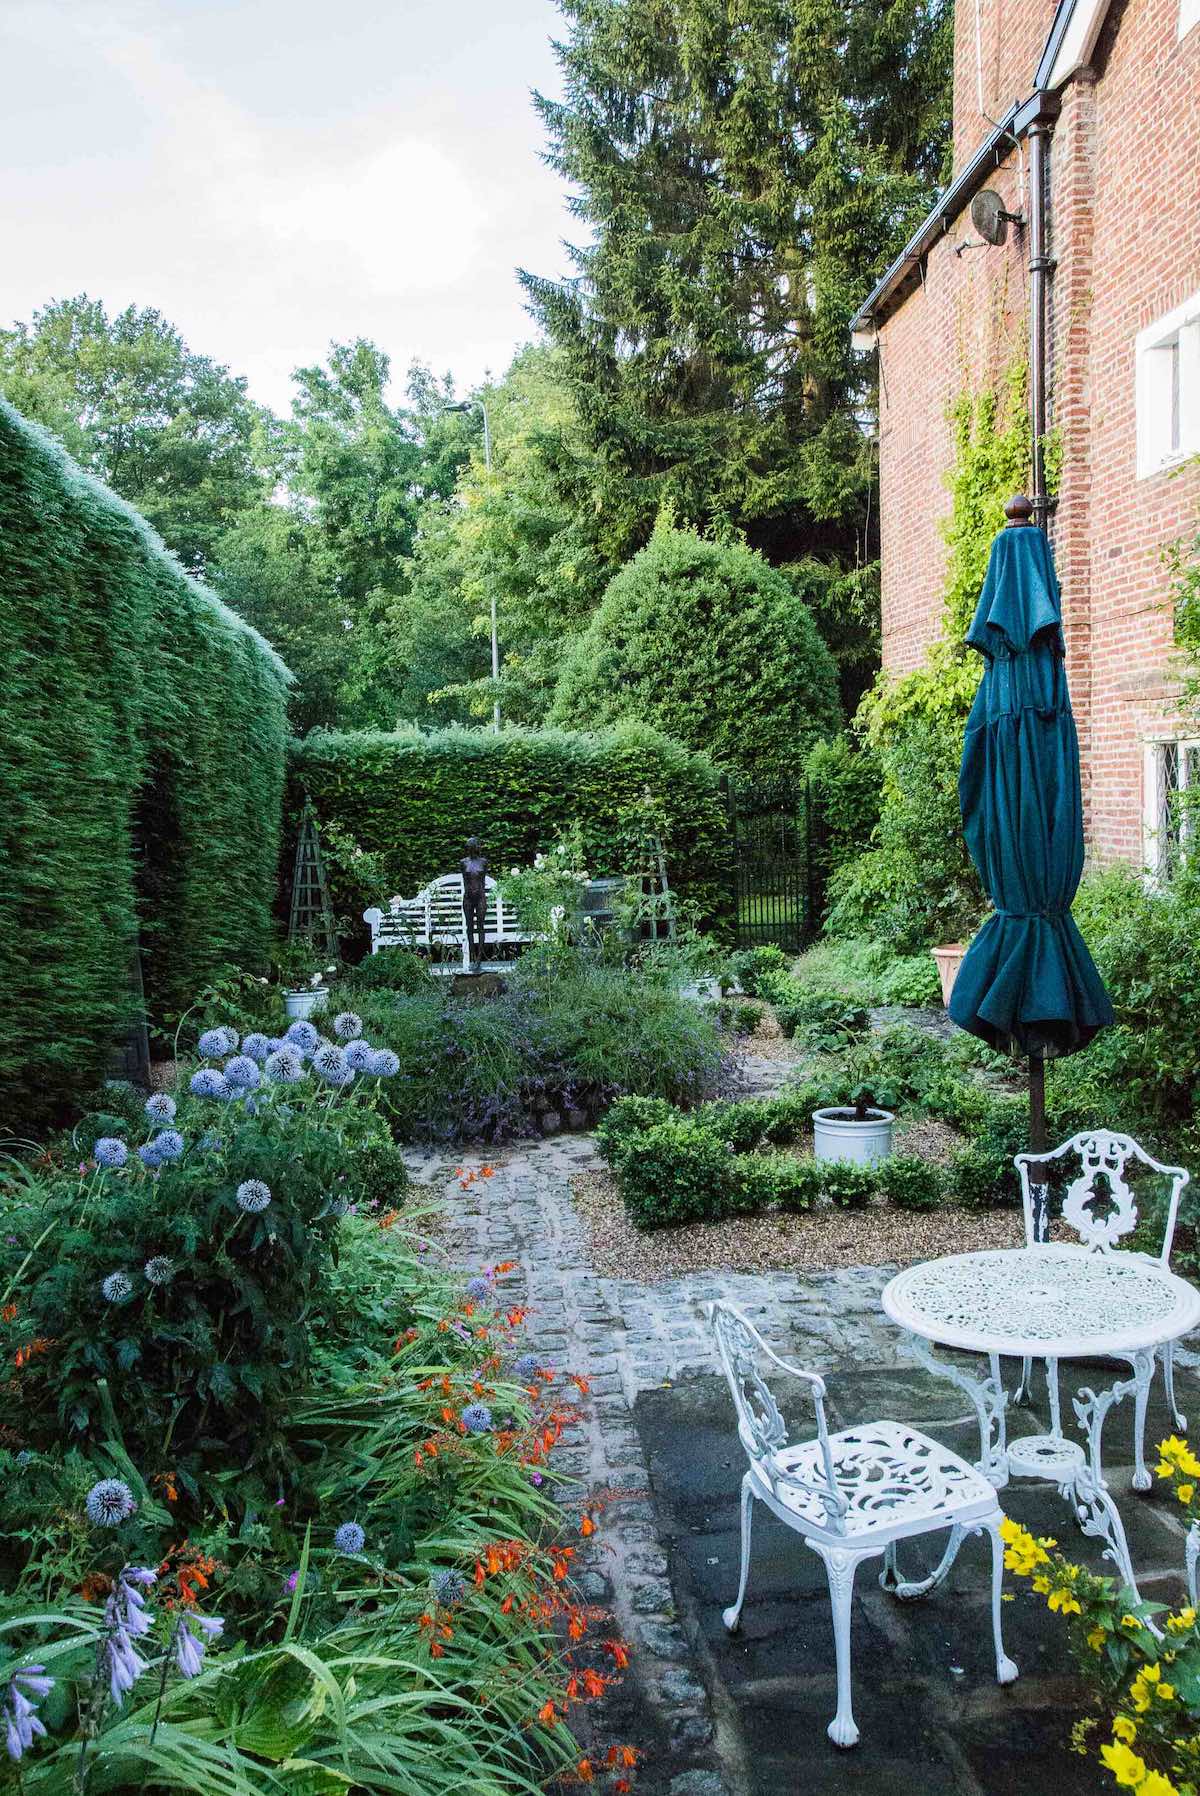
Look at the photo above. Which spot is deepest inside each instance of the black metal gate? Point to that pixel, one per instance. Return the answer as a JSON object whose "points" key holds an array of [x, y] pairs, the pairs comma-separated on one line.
{"points": [[772, 885]]}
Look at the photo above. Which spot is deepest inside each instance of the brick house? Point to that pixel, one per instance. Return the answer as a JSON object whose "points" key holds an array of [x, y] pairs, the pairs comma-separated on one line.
{"points": [[1096, 104]]}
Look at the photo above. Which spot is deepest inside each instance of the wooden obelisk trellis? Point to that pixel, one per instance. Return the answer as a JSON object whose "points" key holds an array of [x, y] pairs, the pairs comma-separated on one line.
{"points": [[311, 919], [657, 907]]}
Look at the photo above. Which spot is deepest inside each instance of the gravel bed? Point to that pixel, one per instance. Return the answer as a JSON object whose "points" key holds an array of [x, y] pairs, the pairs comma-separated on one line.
{"points": [[768, 1041], [819, 1241]]}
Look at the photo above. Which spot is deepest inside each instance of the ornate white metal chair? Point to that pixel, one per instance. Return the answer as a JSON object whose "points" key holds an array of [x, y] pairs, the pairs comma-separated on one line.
{"points": [[1100, 1209], [851, 1496]]}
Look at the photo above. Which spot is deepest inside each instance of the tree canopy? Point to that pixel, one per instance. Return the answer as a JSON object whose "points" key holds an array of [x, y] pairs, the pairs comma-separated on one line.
{"points": [[707, 643]]}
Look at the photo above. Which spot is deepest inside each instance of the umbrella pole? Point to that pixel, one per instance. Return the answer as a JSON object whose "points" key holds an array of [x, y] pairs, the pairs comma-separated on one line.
{"points": [[1039, 1191]]}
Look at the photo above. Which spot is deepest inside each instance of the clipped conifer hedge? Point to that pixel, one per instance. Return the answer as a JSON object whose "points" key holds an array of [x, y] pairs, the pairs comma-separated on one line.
{"points": [[413, 800], [142, 761]]}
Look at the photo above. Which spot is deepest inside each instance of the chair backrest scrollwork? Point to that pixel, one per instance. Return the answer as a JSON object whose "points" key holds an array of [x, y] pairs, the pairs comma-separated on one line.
{"points": [[1099, 1204], [761, 1427]]}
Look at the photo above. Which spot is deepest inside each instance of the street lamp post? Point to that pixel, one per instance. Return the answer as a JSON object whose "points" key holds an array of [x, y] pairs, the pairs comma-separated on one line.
{"points": [[467, 405]]}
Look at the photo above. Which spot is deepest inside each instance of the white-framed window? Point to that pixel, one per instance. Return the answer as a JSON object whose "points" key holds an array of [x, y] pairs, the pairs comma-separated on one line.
{"points": [[1189, 15], [1167, 357], [1171, 802]]}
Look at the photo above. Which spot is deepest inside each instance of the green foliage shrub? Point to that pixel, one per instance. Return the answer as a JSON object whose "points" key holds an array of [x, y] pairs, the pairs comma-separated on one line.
{"points": [[626, 1119], [576, 1039], [410, 800], [844, 794], [778, 1182], [910, 1184], [390, 970], [847, 1186], [707, 642], [141, 780], [910, 979], [678, 1171], [869, 972], [753, 965]]}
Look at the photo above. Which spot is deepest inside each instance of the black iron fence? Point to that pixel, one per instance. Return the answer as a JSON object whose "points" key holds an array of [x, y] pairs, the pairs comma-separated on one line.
{"points": [[776, 864]]}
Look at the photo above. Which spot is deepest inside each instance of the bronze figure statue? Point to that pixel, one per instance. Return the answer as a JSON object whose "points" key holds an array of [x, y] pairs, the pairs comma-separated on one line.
{"points": [[474, 877]]}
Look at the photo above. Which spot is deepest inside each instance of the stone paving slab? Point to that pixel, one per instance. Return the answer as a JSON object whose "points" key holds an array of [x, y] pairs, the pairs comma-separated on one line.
{"points": [[722, 1718]]}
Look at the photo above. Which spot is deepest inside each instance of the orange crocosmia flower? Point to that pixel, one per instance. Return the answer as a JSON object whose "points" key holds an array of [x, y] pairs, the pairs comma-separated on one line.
{"points": [[480, 1574], [583, 1771], [516, 1316], [548, 1714], [436, 1651], [8, 1313], [443, 1326], [581, 1382], [506, 1266], [573, 1689], [593, 1684], [576, 1627], [587, 1526], [485, 1172], [623, 1785], [506, 1605], [418, 1459], [619, 1651]]}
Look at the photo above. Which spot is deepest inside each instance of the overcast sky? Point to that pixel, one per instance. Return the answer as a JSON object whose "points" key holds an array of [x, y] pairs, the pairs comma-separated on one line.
{"points": [[274, 174]]}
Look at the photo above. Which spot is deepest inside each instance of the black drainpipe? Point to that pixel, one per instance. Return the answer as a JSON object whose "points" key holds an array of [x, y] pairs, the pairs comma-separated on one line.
{"points": [[1036, 121]]}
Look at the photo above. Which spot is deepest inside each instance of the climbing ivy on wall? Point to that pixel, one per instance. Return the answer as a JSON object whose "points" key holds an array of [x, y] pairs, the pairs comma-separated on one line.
{"points": [[141, 775], [915, 885]]}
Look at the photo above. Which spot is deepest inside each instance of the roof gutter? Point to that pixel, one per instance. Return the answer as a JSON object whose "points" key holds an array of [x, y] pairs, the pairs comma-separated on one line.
{"points": [[961, 191]]}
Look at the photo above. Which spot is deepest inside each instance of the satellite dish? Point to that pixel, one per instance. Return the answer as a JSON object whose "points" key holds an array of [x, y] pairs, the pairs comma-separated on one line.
{"points": [[990, 218]]}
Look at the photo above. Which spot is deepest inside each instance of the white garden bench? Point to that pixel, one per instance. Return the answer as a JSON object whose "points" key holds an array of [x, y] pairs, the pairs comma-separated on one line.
{"points": [[435, 916]]}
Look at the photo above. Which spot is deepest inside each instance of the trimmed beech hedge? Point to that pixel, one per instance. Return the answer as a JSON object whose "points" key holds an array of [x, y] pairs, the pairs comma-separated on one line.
{"points": [[141, 774], [414, 799]]}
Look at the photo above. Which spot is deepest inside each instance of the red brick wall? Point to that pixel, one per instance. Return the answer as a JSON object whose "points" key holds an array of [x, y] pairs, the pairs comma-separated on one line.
{"points": [[1125, 217]]}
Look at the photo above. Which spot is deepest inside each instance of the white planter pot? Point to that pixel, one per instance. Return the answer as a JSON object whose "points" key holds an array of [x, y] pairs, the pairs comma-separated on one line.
{"points": [[306, 1002], [838, 1135]]}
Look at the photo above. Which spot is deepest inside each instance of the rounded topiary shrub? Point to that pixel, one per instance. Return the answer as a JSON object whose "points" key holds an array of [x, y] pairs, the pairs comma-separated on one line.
{"points": [[707, 642]]}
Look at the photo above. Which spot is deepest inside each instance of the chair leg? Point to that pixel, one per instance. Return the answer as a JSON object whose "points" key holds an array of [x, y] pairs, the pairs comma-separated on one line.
{"points": [[732, 1617], [1169, 1384], [1143, 1374], [1006, 1670], [840, 1567]]}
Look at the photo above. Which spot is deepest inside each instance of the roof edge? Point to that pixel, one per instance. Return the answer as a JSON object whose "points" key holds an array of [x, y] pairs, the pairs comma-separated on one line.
{"points": [[939, 219]]}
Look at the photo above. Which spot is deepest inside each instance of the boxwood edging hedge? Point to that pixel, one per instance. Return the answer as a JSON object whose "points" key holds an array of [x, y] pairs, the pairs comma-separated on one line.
{"points": [[141, 778]]}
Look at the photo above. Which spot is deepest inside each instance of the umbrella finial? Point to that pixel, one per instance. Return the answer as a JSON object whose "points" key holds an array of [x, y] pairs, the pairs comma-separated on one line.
{"points": [[1019, 510]]}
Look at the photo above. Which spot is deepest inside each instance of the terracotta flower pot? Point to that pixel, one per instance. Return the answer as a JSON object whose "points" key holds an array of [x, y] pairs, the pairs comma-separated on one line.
{"points": [[949, 959]]}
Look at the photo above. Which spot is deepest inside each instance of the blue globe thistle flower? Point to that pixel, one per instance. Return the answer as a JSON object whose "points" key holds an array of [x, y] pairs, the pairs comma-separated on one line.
{"points": [[210, 1143], [208, 1083], [329, 1063], [160, 1108], [109, 1503], [117, 1287], [385, 1064], [108, 1151], [339, 1079], [214, 1044], [360, 1055], [250, 1103], [253, 1196], [477, 1418], [258, 1046], [449, 1587], [349, 1538], [478, 1289], [159, 1270], [302, 1036], [168, 1144], [276, 1042], [526, 1367], [149, 1155], [242, 1072], [346, 1025], [285, 1066]]}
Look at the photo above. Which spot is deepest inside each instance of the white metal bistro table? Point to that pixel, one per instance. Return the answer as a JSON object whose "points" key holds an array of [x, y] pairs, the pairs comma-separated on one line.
{"points": [[1053, 1302]]}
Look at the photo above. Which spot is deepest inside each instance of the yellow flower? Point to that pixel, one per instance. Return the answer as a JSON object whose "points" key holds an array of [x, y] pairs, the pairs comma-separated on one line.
{"points": [[1141, 1691], [1185, 1492], [1063, 1601], [1130, 1621], [1179, 1624], [1155, 1784], [1042, 1584], [1124, 1728], [1096, 1639], [1125, 1766], [1166, 1692]]}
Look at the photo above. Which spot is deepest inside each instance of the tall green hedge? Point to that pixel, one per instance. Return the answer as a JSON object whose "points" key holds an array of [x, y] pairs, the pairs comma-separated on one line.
{"points": [[413, 799], [141, 774]]}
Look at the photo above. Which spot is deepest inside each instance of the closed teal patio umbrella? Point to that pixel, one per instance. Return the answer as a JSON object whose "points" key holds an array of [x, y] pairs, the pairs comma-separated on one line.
{"points": [[1027, 983]]}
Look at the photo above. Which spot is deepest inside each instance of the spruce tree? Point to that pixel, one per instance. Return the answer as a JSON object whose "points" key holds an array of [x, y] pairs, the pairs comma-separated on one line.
{"points": [[743, 168]]}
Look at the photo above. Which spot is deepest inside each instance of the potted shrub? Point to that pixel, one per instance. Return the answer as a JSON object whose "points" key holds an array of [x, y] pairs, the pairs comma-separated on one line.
{"points": [[859, 1128], [305, 990]]}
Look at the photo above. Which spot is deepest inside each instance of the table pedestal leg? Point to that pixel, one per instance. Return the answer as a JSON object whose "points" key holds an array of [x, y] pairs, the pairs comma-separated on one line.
{"points": [[1087, 1491], [1191, 1553], [1169, 1385]]}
